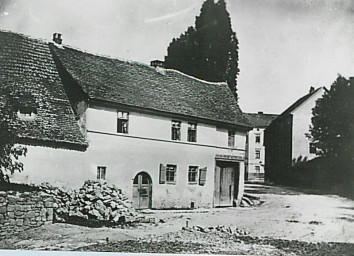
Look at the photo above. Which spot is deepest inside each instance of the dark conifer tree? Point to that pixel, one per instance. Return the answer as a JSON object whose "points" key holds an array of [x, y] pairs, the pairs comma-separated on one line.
{"points": [[332, 129], [332, 132], [210, 50]]}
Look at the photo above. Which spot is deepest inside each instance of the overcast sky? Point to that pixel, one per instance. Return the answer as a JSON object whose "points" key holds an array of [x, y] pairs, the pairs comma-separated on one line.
{"points": [[285, 46]]}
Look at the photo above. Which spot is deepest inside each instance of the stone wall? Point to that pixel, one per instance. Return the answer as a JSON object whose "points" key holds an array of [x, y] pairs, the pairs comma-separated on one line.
{"points": [[23, 210]]}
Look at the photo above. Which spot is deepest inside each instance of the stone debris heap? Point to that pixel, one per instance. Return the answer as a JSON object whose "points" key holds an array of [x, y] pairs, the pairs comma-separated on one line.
{"points": [[218, 229], [95, 201]]}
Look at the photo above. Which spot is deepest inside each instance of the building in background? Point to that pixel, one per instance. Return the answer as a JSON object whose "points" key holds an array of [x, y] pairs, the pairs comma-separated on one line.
{"points": [[286, 139], [255, 153]]}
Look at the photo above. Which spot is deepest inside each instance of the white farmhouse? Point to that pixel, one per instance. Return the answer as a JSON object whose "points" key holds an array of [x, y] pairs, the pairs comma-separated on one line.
{"points": [[166, 139]]}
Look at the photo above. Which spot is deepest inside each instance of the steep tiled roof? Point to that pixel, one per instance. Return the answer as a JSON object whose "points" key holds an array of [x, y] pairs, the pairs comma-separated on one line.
{"points": [[27, 67], [139, 85], [260, 119]]}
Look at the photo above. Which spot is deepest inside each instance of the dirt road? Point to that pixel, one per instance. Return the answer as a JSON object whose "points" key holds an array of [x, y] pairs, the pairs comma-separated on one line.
{"points": [[284, 213]]}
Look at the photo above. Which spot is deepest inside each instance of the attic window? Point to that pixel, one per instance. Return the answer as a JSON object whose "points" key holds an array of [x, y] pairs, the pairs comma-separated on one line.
{"points": [[27, 113]]}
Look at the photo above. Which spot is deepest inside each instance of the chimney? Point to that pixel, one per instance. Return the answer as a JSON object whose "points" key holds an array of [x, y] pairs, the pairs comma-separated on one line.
{"points": [[260, 112], [57, 38], [351, 80], [312, 89], [157, 63]]}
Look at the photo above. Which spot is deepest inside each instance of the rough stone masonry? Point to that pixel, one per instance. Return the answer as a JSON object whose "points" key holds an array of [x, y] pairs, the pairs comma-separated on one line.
{"points": [[23, 210]]}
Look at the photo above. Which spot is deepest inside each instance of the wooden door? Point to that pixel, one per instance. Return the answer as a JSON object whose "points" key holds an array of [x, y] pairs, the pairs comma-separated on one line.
{"points": [[142, 191], [227, 186], [226, 183]]}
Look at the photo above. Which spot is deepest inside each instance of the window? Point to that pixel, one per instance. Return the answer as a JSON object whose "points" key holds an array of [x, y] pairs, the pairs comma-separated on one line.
{"points": [[258, 169], [101, 172], [312, 148], [192, 174], [258, 138], [176, 130], [171, 173], [192, 132], [258, 154], [231, 140], [27, 113], [122, 125]]}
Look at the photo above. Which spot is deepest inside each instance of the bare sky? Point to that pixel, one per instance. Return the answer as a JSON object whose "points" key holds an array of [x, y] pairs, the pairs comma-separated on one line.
{"points": [[285, 46]]}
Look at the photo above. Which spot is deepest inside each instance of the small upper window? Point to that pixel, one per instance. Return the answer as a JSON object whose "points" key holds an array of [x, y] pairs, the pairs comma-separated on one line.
{"points": [[192, 132], [258, 169], [122, 122], [258, 154], [176, 130], [192, 174], [231, 139], [258, 138], [101, 172]]}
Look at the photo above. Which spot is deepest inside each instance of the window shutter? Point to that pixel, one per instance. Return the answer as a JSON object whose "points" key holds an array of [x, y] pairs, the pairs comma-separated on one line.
{"points": [[202, 176], [162, 174]]}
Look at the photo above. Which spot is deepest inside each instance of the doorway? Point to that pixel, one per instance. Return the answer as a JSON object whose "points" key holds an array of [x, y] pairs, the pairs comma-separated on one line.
{"points": [[226, 183], [142, 191]]}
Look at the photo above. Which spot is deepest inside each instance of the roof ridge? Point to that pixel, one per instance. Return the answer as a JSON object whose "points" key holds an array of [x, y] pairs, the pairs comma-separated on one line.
{"points": [[195, 78], [301, 100], [40, 40], [46, 41], [264, 114], [70, 47], [142, 64]]}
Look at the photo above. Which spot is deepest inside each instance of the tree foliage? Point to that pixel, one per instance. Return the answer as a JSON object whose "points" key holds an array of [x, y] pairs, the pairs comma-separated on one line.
{"points": [[209, 50], [332, 128], [9, 150]]}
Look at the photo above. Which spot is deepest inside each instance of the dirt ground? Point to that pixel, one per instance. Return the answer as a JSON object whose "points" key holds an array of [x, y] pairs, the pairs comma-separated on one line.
{"points": [[285, 214]]}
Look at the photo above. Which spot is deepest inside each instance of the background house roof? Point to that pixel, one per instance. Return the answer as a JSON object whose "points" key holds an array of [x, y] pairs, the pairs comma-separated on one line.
{"points": [[260, 119], [27, 67], [300, 101], [296, 104], [139, 85]]}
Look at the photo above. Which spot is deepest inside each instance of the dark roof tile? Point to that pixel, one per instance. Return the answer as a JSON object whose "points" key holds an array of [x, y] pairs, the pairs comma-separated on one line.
{"points": [[260, 119], [27, 66], [139, 85]]}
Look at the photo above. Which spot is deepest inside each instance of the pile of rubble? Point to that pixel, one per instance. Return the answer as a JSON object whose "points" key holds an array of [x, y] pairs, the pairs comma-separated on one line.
{"points": [[95, 201], [218, 229]]}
